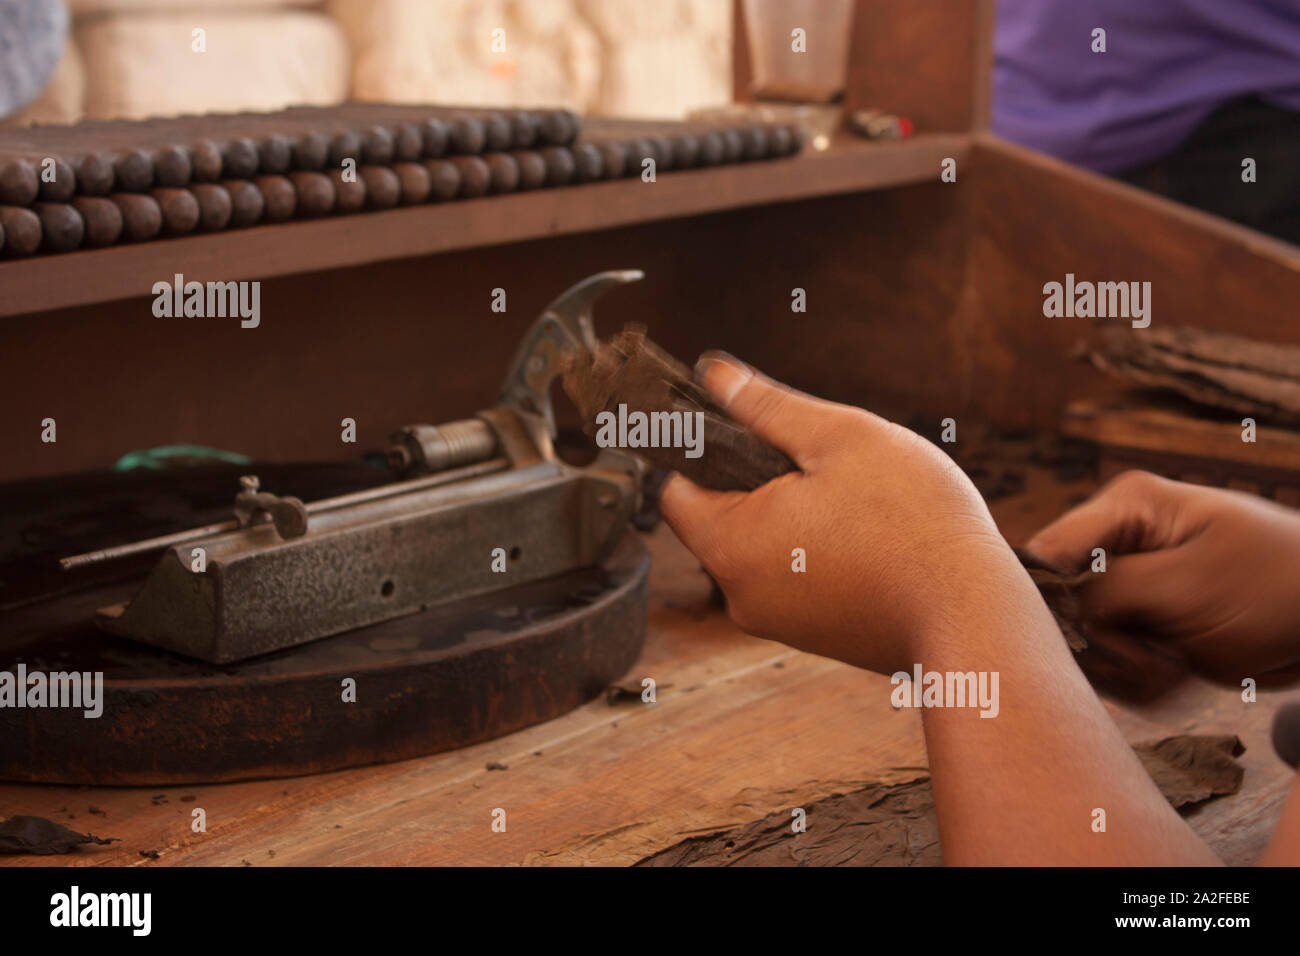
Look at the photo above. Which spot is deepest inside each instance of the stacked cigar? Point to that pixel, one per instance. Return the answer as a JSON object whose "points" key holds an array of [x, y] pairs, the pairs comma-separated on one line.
{"points": [[98, 183]]}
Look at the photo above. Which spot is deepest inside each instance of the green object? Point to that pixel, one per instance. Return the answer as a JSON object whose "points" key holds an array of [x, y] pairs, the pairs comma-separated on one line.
{"points": [[156, 459]]}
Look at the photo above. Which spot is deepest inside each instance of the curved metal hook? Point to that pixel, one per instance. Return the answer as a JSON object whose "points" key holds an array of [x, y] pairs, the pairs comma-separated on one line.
{"points": [[566, 324]]}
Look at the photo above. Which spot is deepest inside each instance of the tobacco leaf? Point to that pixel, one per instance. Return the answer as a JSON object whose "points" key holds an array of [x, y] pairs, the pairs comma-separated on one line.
{"points": [[631, 370], [1215, 369], [37, 835], [1190, 769], [896, 824]]}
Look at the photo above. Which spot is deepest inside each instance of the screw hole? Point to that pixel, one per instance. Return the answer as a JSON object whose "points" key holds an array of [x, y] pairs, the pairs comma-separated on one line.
{"points": [[386, 589]]}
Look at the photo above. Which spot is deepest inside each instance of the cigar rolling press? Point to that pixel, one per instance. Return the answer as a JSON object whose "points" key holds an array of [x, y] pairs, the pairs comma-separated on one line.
{"points": [[289, 573], [492, 587]]}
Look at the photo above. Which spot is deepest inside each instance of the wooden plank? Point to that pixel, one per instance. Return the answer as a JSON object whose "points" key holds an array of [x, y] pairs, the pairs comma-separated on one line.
{"points": [[1125, 424], [747, 727], [43, 283]]}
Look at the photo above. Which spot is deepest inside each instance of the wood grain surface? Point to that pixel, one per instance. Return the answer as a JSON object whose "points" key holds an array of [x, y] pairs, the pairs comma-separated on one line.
{"points": [[742, 727]]}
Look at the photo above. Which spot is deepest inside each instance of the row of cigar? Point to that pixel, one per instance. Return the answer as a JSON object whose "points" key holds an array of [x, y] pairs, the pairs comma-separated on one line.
{"points": [[238, 170]]}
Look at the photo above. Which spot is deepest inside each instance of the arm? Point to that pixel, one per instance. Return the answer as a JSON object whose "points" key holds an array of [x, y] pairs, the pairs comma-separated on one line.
{"points": [[905, 566]]}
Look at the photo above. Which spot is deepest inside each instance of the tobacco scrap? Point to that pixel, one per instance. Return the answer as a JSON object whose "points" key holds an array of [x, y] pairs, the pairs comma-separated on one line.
{"points": [[1057, 589], [879, 825], [631, 370], [627, 690], [1190, 769], [896, 824], [42, 837], [1216, 369]]}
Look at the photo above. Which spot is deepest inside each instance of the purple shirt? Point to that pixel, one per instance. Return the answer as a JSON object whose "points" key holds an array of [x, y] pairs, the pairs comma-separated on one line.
{"points": [[1167, 65]]}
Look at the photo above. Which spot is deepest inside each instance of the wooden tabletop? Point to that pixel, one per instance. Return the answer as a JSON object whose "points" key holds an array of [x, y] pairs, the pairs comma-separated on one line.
{"points": [[741, 728]]}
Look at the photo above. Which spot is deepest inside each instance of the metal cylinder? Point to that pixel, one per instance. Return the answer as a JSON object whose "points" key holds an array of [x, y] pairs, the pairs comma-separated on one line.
{"points": [[422, 448]]}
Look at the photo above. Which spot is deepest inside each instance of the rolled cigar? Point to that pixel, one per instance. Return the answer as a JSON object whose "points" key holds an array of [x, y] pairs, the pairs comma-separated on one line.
{"points": [[377, 146], [279, 196], [475, 177], [408, 143], [444, 179], [663, 153], [103, 220], [780, 141], [383, 188], [560, 167], [172, 167], [344, 145], [62, 187], [588, 164], [526, 127], [415, 182], [532, 169], [18, 182], [686, 151], [205, 161], [435, 136], [311, 151], [754, 142], [239, 158], [141, 216], [733, 145], [466, 135], [22, 229], [503, 172], [246, 202], [180, 210], [133, 171], [559, 127], [498, 134], [712, 150], [62, 227], [350, 194], [639, 149], [613, 158], [315, 191], [274, 153], [95, 174], [215, 206]]}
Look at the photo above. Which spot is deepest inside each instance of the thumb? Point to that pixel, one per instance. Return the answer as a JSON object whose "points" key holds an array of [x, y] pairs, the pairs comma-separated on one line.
{"points": [[694, 512], [798, 424]]}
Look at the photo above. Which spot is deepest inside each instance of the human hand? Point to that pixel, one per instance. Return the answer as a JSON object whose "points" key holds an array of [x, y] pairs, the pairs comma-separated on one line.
{"points": [[1215, 573], [898, 542]]}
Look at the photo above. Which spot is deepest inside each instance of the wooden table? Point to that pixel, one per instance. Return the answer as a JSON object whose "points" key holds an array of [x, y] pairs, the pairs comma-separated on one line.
{"points": [[741, 728]]}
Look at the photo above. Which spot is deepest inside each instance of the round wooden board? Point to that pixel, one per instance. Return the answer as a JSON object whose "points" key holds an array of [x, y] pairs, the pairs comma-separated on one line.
{"points": [[444, 678]]}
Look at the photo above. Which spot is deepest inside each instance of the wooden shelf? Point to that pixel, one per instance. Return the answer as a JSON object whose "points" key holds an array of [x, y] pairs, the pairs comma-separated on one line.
{"points": [[42, 283]]}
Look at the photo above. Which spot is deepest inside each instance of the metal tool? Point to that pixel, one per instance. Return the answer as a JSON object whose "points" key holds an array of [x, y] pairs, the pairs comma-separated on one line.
{"points": [[492, 506]]}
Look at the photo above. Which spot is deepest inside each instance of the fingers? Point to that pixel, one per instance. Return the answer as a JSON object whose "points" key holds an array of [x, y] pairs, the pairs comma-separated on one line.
{"points": [[1129, 514], [798, 424], [694, 514], [1146, 589]]}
